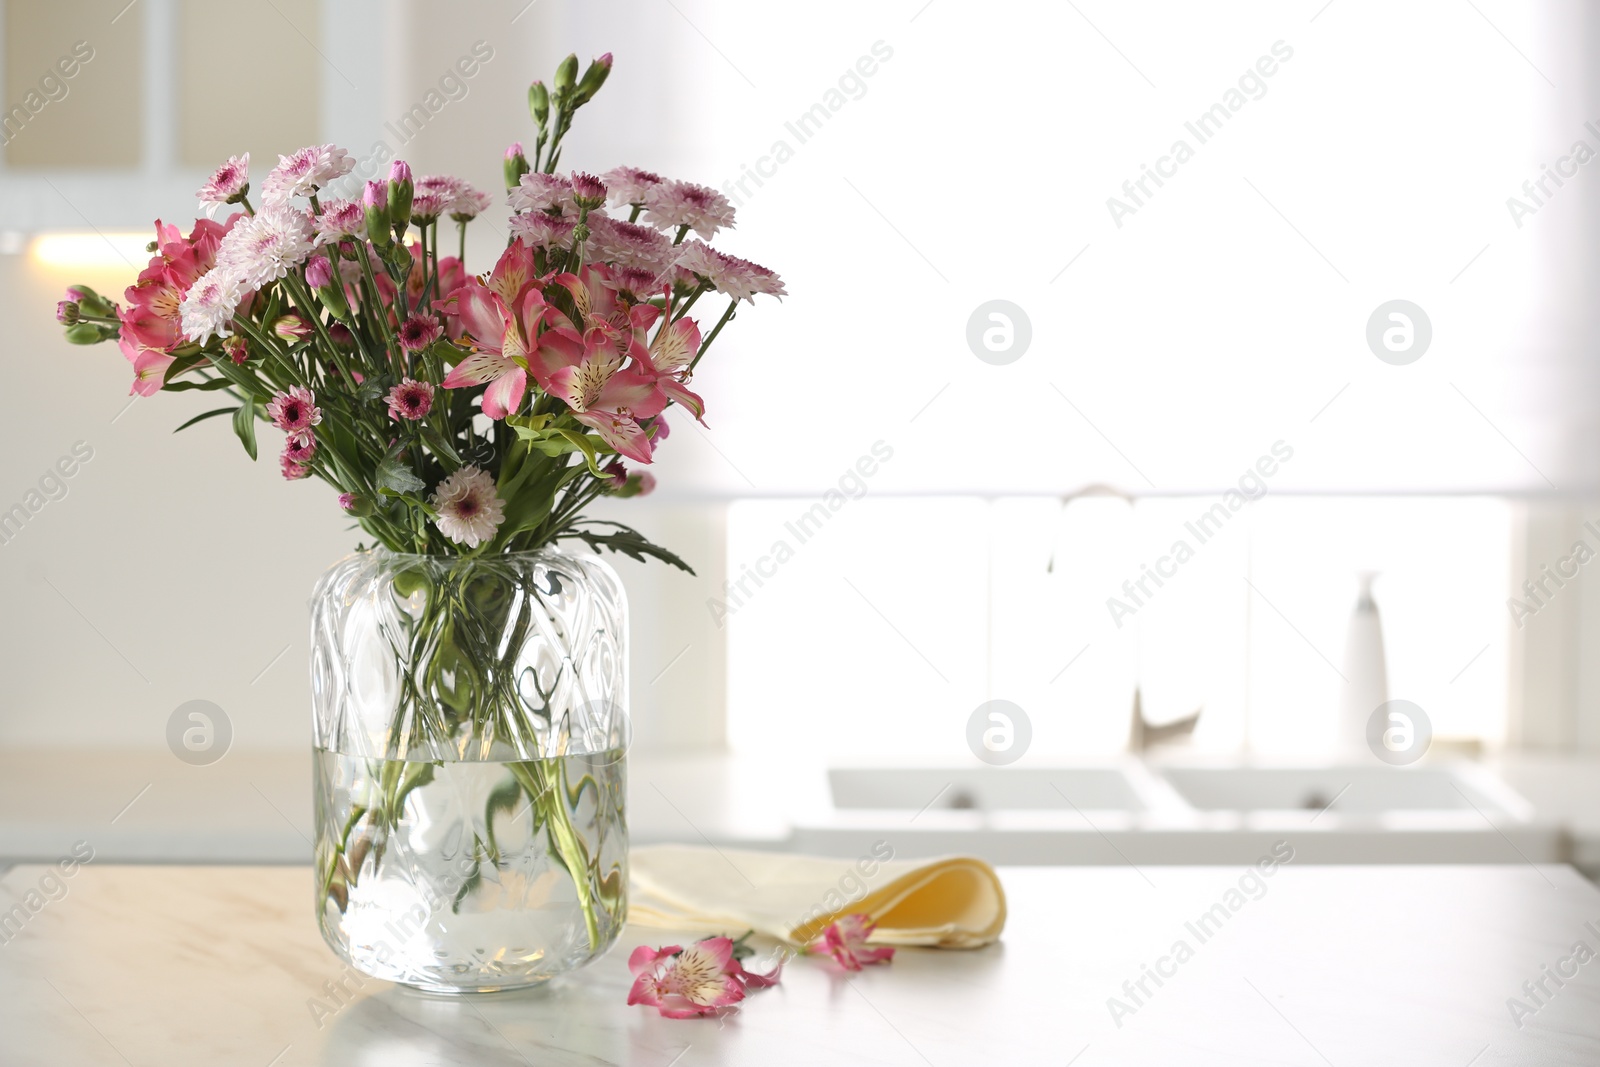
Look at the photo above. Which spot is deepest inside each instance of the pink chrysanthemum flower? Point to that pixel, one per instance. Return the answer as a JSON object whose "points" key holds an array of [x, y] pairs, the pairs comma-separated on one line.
{"points": [[340, 219], [470, 511], [294, 412], [627, 244], [302, 172], [738, 278], [543, 192], [542, 231], [419, 331], [227, 185], [628, 185], [300, 447], [846, 941], [291, 469], [410, 399], [674, 204], [682, 983]]}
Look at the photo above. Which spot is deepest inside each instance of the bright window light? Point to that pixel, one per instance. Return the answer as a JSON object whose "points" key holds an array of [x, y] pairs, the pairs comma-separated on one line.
{"points": [[91, 250]]}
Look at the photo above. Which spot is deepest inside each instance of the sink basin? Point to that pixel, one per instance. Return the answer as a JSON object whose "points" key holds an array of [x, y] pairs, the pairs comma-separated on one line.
{"points": [[984, 788], [1350, 790]]}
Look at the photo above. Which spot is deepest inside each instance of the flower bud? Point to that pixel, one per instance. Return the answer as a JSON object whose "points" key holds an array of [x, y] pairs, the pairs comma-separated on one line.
{"points": [[355, 504], [291, 327], [87, 333], [319, 271], [89, 302], [400, 192], [516, 165], [566, 76], [236, 348], [66, 313], [375, 199], [640, 483], [593, 79], [539, 103], [588, 191]]}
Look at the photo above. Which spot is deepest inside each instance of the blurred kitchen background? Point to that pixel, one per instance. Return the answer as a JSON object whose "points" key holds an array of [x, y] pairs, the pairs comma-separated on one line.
{"points": [[891, 523]]}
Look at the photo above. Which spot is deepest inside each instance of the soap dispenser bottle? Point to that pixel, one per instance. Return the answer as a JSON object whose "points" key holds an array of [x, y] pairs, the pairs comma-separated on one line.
{"points": [[1366, 677]]}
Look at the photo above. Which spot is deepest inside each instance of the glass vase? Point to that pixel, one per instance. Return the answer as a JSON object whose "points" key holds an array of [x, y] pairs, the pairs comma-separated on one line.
{"points": [[470, 737]]}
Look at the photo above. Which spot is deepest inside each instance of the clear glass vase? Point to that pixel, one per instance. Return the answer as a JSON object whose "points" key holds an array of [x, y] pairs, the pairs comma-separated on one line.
{"points": [[470, 730]]}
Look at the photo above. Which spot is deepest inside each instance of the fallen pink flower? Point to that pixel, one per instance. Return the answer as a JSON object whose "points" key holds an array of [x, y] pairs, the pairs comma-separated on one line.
{"points": [[846, 941], [682, 983]]}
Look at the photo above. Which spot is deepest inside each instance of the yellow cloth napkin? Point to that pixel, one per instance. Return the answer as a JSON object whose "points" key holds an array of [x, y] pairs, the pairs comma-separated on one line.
{"points": [[949, 902]]}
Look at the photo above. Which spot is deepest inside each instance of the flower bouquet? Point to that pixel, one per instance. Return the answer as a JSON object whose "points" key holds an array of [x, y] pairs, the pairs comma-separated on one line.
{"points": [[469, 676]]}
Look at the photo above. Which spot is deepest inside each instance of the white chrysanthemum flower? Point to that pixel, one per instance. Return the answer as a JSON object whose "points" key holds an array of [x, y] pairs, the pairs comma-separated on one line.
{"points": [[302, 172], [227, 184], [209, 304], [340, 219], [470, 511], [673, 204], [265, 246]]}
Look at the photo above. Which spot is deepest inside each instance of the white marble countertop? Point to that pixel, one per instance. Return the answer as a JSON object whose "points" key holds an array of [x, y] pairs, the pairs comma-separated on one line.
{"points": [[170, 966]]}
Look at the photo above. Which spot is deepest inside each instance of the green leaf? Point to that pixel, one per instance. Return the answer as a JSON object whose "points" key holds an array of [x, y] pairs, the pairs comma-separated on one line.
{"points": [[398, 477], [210, 386], [178, 366], [244, 424], [623, 539], [198, 418], [561, 441], [441, 447]]}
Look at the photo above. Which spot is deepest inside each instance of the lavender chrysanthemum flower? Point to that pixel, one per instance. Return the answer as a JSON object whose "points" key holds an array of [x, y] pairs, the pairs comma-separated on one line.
{"points": [[540, 230], [628, 185], [674, 204], [543, 192], [428, 204], [735, 277], [627, 244]]}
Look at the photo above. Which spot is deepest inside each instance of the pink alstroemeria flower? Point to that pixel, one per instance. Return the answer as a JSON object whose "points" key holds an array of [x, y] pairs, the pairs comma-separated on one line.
{"points": [[151, 324], [682, 983], [603, 394], [501, 321], [846, 941]]}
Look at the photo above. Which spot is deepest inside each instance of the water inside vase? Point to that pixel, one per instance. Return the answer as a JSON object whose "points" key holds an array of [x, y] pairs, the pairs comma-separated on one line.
{"points": [[458, 876]]}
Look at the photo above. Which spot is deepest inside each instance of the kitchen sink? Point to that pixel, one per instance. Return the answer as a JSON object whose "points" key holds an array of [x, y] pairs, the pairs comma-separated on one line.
{"points": [[986, 788], [1343, 790]]}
